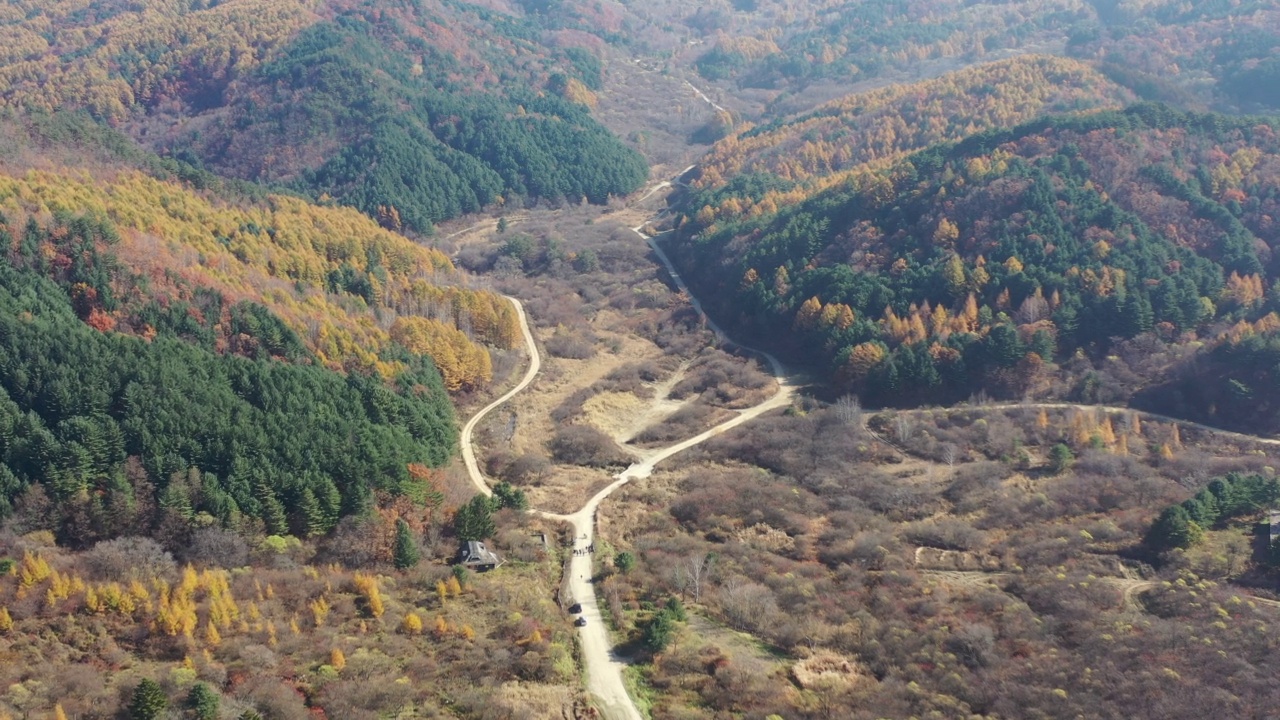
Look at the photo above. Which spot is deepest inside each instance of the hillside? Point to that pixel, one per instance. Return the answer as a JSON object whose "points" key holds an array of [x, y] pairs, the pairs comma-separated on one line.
{"points": [[334, 277], [974, 266], [411, 113], [271, 631], [817, 149]]}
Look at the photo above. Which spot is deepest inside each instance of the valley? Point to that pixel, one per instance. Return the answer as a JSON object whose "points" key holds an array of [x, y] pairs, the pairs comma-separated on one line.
{"points": [[794, 360]]}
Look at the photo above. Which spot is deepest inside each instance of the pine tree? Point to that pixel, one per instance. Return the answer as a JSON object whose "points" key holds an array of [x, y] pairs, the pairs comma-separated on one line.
{"points": [[272, 510], [1060, 458], [1173, 529], [657, 634], [406, 550], [309, 518], [474, 521], [148, 701], [203, 702], [505, 495]]}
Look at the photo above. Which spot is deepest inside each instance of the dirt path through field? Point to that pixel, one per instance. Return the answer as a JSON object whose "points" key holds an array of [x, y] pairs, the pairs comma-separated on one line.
{"points": [[604, 667]]}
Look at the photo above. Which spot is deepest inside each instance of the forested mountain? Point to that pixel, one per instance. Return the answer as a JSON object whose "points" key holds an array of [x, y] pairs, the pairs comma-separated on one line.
{"points": [[411, 112], [176, 358], [97, 426], [1208, 52], [973, 265], [819, 148], [335, 280]]}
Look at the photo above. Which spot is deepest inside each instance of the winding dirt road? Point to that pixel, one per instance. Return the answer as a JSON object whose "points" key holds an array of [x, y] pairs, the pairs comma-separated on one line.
{"points": [[535, 364], [603, 665]]}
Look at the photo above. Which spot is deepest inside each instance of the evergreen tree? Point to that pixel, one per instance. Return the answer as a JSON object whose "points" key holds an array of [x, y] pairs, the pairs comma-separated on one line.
{"points": [[1060, 458], [657, 634], [474, 521], [1173, 529], [203, 702], [406, 550], [1203, 509], [625, 561], [676, 608], [270, 508], [309, 518], [505, 495], [148, 701]]}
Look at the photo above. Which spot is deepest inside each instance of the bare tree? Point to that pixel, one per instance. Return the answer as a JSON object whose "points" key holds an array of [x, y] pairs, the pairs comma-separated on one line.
{"points": [[950, 454], [1033, 309], [691, 572], [748, 605], [849, 410], [904, 426]]}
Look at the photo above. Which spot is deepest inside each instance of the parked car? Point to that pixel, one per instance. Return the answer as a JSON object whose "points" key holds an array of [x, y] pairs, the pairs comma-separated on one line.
{"points": [[581, 621], [575, 608]]}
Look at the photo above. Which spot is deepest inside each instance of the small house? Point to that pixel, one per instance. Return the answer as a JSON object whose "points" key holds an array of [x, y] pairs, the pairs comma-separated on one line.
{"points": [[473, 554]]}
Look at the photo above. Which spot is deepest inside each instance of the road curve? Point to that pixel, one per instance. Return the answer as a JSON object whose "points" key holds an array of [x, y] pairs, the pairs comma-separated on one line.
{"points": [[535, 364], [604, 667]]}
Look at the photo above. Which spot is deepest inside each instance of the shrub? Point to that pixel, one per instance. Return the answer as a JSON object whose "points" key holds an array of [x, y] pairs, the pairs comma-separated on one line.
{"points": [[571, 346], [127, 558], [585, 445], [945, 533], [215, 546]]}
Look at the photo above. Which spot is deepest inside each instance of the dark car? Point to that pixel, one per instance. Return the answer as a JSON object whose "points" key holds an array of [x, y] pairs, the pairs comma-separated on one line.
{"points": [[580, 621], [575, 608]]}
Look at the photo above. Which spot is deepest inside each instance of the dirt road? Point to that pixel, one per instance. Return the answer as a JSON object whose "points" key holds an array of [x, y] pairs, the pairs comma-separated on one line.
{"points": [[535, 364], [604, 667]]}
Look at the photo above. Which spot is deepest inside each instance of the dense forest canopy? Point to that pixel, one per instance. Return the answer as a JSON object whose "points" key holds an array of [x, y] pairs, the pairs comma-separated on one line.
{"points": [[395, 134], [412, 112], [970, 265], [818, 148], [330, 274], [98, 426], [1203, 52]]}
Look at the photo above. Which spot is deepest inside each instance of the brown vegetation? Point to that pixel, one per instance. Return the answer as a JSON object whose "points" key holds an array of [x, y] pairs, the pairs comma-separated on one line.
{"points": [[967, 570]]}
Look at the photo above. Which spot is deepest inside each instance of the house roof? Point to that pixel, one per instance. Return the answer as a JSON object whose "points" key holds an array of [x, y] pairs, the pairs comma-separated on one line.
{"points": [[474, 551]]}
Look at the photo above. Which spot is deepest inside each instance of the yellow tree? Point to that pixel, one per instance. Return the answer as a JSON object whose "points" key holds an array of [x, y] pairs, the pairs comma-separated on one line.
{"points": [[411, 625], [946, 233], [953, 275], [1106, 432], [808, 314], [861, 361]]}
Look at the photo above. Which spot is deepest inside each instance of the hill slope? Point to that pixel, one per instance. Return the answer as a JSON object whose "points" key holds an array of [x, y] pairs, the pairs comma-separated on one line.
{"points": [[413, 113], [817, 149], [946, 272]]}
